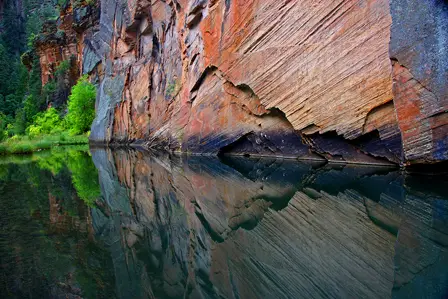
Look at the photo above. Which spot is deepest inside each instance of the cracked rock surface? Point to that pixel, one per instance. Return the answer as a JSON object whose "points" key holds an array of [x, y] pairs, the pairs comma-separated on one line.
{"points": [[350, 80]]}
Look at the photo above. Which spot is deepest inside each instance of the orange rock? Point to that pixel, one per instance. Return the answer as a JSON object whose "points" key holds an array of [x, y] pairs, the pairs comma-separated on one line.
{"points": [[253, 75]]}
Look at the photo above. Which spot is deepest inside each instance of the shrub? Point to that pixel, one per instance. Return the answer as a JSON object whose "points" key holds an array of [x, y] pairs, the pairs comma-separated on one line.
{"points": [[81, 106], [45, 123]]}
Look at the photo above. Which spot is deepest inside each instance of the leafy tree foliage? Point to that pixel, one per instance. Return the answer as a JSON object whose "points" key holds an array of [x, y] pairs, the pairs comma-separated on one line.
{"points": [[23, 99], [18, 86], [3, 124], [19, 125], [81, 106], [46, 123]]}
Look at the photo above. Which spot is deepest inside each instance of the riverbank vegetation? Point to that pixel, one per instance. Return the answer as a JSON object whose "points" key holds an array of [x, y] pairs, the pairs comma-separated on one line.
{"points": [[57, 161], [21, 93], [51, 127], [35, 116], [26, 144]]}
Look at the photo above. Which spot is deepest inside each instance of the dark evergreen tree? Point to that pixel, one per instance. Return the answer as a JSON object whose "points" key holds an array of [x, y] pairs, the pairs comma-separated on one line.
{"points": [[20, 89]]}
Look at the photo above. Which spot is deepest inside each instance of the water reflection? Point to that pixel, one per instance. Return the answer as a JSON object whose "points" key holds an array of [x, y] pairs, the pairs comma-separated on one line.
{"points": [[47, 246], [159, 226]]}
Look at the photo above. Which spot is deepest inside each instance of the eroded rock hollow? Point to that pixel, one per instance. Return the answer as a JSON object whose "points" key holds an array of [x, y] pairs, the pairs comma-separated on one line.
{"points": [[349, 80]]}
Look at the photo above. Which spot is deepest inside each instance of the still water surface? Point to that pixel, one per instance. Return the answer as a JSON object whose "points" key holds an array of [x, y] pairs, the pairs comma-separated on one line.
{"points": [[127, 224]]}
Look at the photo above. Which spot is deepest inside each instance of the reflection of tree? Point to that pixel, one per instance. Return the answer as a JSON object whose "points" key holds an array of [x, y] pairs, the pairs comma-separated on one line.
{"points": [[84, 176], [53, 161], [47, 248]]}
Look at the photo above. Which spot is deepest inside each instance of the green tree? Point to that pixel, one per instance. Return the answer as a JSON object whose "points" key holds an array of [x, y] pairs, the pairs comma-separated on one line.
{"points": [[36, 102], [19, 27], [5, 71], [46, 123], [12, 103], [20, 124], [81, 106], [3, 123]]}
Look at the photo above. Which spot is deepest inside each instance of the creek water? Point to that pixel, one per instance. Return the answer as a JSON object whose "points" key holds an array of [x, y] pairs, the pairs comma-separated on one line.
{"points": [[104, 223]]}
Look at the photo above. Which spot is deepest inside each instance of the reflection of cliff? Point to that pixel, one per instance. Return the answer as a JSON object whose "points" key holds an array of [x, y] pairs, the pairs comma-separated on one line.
{"points": [[245, 228]]}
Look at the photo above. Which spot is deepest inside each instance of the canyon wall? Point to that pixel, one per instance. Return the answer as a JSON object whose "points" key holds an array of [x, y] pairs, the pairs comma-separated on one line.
{"points": [[349, 80]]}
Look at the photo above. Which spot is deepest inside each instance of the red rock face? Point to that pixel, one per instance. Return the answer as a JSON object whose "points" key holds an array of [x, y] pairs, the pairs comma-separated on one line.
{"points": [[313, 61], [56, 44], [420, 69], [63, 40], [302, 79], [422, 118]]}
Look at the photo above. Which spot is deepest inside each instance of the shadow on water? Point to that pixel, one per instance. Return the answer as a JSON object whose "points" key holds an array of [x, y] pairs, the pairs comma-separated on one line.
{"points": [[129, 224]]}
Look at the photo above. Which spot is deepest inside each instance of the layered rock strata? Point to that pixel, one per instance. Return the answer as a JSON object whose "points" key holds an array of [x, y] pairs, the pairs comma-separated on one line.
{"points": [[261, 228], [349, 81]]}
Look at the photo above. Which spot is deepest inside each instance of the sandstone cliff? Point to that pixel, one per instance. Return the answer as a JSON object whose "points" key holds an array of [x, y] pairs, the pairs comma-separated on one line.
{"points": [[347, 80]]}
